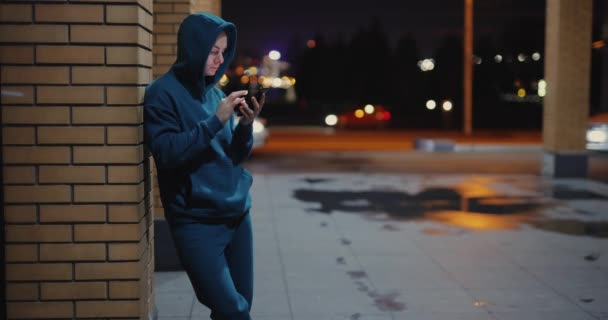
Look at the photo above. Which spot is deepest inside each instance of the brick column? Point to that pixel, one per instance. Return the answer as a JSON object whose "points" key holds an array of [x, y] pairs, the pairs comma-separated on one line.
{"points": [[213, 6], [75, 177], [567, 71], [168, 15]]}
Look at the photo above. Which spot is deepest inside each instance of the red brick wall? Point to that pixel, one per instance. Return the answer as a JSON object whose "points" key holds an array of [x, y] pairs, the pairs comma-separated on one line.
{"points": [[75, 179]]}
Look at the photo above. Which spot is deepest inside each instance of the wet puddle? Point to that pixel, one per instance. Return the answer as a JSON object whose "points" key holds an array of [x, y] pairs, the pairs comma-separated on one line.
{"points": [[474, 206], [481, 204]]}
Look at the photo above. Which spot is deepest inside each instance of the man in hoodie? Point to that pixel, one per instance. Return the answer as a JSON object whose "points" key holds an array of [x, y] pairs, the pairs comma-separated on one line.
{"points": [[198, 147]]}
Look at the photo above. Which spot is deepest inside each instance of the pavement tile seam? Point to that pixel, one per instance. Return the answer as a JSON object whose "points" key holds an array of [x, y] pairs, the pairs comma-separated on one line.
{"points": [[544, 316], [194, 303], [278, 249], [446, 271], [462, 286], [388, 301], [564, 295]]}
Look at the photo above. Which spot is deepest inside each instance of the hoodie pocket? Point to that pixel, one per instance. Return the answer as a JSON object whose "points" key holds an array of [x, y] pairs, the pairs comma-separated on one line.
{"points": [[240, 200], [208, 185], [220, 186]]}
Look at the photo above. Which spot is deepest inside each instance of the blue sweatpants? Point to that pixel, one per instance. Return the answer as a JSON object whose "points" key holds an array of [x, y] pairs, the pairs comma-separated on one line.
{"points": [[219, 262]]}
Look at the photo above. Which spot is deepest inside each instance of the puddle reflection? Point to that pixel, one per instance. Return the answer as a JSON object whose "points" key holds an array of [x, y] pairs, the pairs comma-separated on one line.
{"points": [[470, 207]]}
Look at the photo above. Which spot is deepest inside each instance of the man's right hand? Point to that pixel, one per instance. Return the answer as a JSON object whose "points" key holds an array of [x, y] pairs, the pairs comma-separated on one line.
{"points": [[227, 105]]}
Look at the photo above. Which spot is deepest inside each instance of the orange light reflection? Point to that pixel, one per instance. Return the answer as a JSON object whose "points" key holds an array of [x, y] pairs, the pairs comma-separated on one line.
{"points": [[478, 221]]}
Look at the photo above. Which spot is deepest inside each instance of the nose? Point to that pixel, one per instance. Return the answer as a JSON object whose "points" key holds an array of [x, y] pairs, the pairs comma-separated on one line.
{"points": [[219, 59]]}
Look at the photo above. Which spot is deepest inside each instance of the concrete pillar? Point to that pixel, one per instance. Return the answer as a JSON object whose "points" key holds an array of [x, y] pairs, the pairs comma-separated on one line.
{"points": [[76, 181], [567, 72]]}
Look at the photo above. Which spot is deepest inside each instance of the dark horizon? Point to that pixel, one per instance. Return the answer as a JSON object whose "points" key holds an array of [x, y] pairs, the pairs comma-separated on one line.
{"points": [[272, 25]]}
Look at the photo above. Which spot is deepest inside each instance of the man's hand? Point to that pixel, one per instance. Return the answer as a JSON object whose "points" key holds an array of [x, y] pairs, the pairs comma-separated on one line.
{"points": [[247, 113], [234, 100]]}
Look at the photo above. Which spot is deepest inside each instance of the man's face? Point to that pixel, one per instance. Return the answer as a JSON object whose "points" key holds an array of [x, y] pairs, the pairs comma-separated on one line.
{"points": [[216, 55]]}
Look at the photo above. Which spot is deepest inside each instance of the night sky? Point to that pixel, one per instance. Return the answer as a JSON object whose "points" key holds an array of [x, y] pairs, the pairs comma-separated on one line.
{"points": [[272, 24]]}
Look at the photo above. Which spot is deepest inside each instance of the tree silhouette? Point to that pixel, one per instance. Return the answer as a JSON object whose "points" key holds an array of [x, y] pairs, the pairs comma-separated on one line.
{"points": [[446, 79], [407, 88]]}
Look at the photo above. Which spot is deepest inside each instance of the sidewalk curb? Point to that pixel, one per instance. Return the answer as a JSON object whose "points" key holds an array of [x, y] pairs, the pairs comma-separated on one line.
{"points": [[449, 145], [498, 147]]}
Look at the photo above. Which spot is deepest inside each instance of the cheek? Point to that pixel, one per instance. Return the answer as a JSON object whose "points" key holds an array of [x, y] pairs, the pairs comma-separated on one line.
{"points": [[207, 67]]}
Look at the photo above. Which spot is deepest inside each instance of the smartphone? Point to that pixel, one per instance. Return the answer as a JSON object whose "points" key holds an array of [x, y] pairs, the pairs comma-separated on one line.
{"points": [[255, 92]]}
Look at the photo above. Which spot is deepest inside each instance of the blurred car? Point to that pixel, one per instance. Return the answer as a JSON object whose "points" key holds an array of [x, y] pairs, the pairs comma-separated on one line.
{"points": [[260, 132], [369, 116], [597, 132]]}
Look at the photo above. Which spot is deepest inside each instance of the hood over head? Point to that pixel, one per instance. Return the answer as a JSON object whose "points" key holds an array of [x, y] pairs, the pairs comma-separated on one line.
{"points": [[196, 36]]}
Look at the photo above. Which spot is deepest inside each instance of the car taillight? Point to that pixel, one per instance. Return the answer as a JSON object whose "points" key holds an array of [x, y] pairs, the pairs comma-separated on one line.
{"points": [[383, 115], [387, 115]]}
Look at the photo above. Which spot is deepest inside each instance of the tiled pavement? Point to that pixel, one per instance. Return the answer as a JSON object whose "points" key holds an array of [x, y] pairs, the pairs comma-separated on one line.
{"points": [[441, 247]]}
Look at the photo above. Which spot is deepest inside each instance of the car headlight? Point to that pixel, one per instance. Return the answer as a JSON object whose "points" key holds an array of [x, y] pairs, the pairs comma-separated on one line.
{"points": [[258, 127], [597, 135], [331, 120]]}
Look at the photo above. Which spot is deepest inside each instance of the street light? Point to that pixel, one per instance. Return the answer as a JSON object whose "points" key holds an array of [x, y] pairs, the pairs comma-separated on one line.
{"points": [[447, 105], [274, 55], [426, 64]]}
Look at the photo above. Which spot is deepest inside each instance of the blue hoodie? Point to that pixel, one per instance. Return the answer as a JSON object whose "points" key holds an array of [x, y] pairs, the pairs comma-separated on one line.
{"points": [[198, 158]]}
